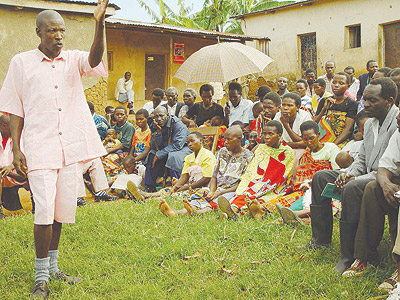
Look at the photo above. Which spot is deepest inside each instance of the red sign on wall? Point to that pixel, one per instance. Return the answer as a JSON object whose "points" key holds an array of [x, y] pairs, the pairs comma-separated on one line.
{"points": [[179, 53]]}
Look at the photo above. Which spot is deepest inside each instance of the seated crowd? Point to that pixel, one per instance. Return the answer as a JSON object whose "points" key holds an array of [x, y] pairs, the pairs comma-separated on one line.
{"points": [[329, 148]]}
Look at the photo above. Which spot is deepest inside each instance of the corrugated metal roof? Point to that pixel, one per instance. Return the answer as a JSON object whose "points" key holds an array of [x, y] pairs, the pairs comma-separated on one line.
{"points": [[182, 30], [84, 3], [265, 11]]}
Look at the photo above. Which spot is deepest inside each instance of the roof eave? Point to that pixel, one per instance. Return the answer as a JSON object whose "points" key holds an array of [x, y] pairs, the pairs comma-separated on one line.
{"points": [[204, 34], [274, 9]]}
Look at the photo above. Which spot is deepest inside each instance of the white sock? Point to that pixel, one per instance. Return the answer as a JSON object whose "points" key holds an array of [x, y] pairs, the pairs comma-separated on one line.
{"points": [[53, 255], [42, 268]]}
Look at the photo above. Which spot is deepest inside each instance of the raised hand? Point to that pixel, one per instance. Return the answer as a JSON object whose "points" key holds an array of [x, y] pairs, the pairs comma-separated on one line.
{"points": [[100, 10]]}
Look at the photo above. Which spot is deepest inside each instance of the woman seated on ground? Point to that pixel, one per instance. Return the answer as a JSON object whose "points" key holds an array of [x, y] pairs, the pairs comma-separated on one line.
{"points": [[268, 176], [336, 115], [317, 157], [196, 174]]}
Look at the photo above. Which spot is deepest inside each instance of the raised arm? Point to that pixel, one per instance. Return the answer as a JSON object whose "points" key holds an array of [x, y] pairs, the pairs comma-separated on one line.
{"points": [[97, 49]]}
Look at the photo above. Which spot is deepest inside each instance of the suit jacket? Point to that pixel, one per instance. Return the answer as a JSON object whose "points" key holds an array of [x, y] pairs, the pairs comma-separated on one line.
{"points": [[367, 162], [179, 105], [170, 143], [363, 84]]}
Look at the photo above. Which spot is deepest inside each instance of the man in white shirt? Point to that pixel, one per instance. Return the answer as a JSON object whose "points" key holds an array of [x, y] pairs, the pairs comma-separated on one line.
{"points": [[123, 90], [157, 100], [173, 106], [237, 109]]}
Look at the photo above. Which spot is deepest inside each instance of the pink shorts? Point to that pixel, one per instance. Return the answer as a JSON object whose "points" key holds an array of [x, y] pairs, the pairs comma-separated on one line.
{"points": [[54, 192]]}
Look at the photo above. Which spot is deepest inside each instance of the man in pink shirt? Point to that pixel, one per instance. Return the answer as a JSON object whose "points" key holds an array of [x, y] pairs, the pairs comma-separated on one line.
{"points": [[44, 96]]}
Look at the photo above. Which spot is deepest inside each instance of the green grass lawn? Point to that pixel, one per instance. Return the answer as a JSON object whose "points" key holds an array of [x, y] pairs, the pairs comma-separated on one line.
{"points": [[125, 250]]}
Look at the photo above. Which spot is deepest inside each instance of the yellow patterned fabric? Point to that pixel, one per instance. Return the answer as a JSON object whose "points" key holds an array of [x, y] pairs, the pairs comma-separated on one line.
{"points": [[268, 176]]}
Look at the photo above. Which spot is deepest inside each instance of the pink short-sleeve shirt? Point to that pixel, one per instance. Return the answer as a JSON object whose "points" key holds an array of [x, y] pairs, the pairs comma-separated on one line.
{"points": [[58, 126]]}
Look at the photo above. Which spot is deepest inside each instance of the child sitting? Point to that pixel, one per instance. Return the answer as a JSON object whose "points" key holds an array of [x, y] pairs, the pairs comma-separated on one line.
{"points": [[141, 139], [319, 93], [197, 172], [124, 129], [111, 140]]}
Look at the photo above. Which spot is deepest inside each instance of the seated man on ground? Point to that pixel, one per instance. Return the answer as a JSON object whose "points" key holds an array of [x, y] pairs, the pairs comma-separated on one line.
{"points": [[124, 129], [123, 90], [204, 111], [336, 115], [316, 157], [267, 177], [379, 106], [291, 117], [11, 181], [167, 148], [196, 174], [349, 152], [271, 106], [379, 199]]}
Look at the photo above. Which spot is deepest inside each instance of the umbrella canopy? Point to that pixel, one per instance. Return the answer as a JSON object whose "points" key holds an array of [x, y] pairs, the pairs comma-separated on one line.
{"points": [[222, 62]]}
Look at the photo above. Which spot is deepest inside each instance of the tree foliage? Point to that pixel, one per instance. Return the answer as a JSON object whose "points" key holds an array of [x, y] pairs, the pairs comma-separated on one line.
{"points": [[215, 14]]}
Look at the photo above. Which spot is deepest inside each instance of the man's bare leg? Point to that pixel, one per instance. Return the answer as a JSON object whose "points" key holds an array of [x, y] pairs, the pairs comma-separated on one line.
{"points": [[43, 237], [55, 237]]}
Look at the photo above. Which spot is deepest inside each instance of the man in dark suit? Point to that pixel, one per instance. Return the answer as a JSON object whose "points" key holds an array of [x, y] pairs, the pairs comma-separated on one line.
{"points": [[379, 106], [173, 106], [372, 67]]}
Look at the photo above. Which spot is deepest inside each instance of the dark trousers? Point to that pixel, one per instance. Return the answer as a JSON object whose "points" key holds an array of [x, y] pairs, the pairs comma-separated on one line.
{"points": [[370, 229], [159, 169], [351, 194]]}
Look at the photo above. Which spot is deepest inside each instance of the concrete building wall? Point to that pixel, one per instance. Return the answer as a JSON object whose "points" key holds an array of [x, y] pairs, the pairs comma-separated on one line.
{"points": [[328, 19], [129, 49], [17, 34]]}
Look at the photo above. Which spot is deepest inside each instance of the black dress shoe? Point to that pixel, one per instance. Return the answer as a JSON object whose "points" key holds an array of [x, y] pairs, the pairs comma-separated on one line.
{"points": [[150, 189]]}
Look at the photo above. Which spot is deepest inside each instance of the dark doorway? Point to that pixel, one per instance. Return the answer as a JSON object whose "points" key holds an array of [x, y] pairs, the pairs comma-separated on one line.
{"points": [[154, 73], [308, 52], [392, 41]]}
